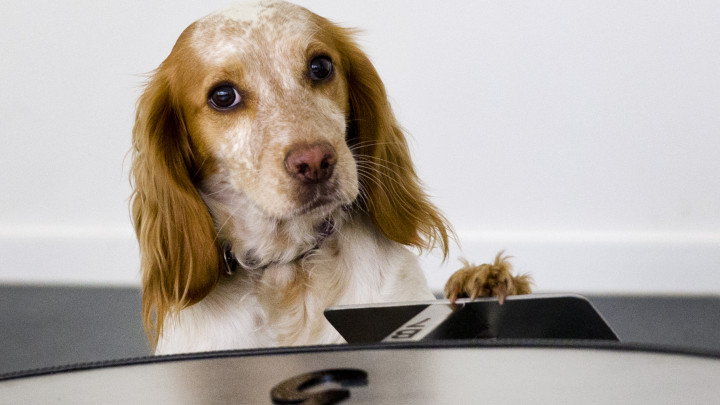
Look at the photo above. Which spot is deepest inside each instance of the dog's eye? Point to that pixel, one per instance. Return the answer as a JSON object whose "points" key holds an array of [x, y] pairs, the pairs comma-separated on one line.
{"points": [[321, 68], [224, 97]]}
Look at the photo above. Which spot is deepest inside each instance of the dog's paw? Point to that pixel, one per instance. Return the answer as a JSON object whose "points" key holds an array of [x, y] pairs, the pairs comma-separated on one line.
{"points": [[487, 280]]}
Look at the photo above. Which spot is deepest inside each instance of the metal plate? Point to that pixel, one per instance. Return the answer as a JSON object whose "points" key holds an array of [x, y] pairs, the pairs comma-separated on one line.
{"points": [[420, 373], [520, 317]]}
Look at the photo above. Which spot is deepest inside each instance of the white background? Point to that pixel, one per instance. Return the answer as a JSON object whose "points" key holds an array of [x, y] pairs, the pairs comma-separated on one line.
{"points": [[583, 137]]}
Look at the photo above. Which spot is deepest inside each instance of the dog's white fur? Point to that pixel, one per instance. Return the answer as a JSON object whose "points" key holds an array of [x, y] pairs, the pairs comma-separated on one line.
{"points": [[232, 316]]}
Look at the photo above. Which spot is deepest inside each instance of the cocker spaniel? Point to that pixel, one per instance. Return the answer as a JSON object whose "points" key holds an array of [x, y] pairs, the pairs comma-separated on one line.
{"points": [[271, 181]]}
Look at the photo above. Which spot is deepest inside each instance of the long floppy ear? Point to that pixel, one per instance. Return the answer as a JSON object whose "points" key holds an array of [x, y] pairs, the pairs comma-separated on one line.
{"points": [[180, 256], [391, 189]]}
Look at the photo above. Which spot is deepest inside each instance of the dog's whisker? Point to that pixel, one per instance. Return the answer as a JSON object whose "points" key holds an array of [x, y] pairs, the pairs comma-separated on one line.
{"points": [[380, 180], [368, 144]]}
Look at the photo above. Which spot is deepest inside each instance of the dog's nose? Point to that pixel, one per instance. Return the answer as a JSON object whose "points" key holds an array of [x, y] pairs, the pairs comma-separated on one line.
{"points": [[311, 163]]}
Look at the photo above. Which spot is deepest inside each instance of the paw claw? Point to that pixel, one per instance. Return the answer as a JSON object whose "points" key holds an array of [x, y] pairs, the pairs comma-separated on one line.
{"points": [[502, 292]]}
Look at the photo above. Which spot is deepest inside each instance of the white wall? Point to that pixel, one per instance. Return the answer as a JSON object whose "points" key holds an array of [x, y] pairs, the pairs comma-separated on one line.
{"points": [[581, 136]]}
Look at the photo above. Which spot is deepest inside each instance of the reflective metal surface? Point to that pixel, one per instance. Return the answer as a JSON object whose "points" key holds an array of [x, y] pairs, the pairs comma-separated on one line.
{"points": [[534, 316], [442, 373]]}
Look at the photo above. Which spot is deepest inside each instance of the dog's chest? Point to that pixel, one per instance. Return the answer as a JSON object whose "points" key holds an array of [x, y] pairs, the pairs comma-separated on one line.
{"points": [[282, 305], [293, 298]]}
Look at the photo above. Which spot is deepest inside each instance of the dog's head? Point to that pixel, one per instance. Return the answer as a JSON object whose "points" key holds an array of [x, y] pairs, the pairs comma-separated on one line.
{"points": [[278, 109]]}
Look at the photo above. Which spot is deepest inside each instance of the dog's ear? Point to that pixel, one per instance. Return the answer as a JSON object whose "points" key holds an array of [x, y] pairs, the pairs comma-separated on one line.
{"points": [[180, 255], [390, 187]]}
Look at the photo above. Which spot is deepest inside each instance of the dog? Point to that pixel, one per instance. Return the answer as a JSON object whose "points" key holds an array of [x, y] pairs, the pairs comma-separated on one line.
{"points": [[271, 181]]}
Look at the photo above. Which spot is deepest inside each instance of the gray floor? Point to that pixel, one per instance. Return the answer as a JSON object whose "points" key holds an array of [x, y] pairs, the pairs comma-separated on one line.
{"points": [[49, 326]]}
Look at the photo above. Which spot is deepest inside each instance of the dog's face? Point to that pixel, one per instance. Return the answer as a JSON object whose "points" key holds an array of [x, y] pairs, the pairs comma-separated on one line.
{"points": [[265, 102]]}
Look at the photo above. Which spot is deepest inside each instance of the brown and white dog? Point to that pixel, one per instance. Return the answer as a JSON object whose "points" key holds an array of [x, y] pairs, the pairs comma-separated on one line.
{"points": [[271, 181]]}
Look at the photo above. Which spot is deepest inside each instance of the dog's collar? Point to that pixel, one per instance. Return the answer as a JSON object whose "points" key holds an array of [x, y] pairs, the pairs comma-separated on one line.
{"points": [[324, 230], [232, 263]]}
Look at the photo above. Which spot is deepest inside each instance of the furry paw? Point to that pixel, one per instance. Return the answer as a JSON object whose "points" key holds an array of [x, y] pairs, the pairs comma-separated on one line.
{"points": [[487, 280]]}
